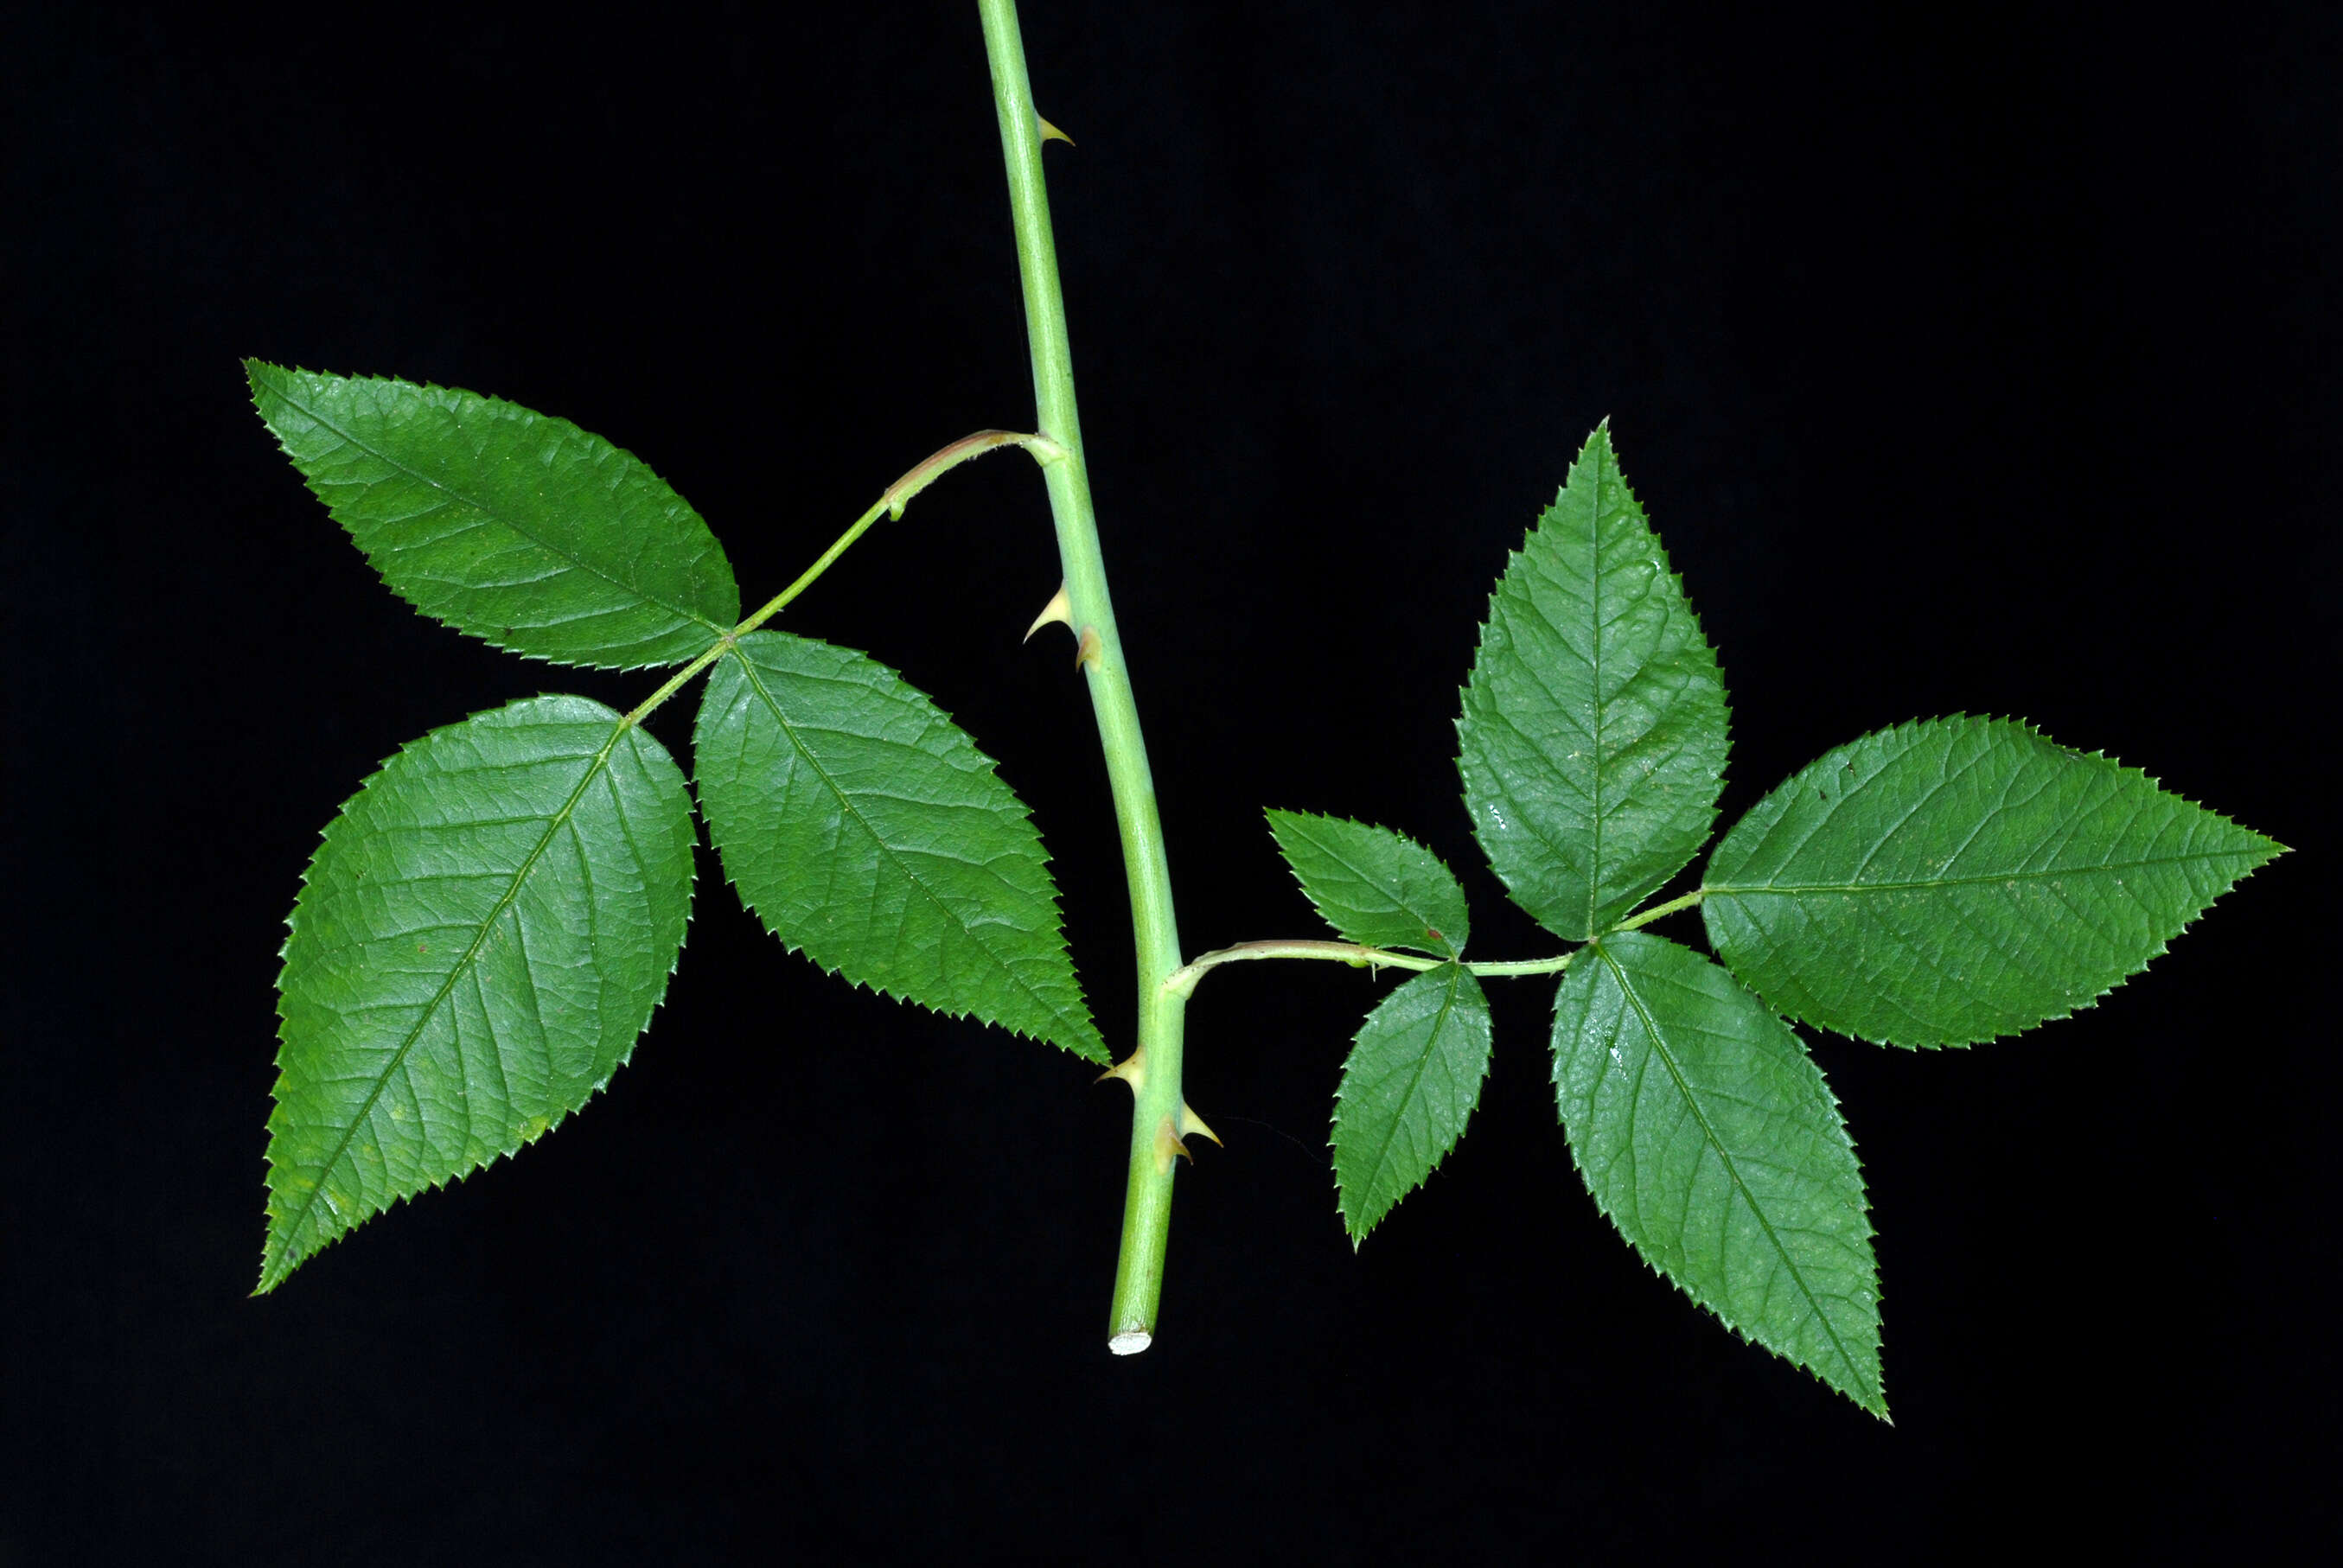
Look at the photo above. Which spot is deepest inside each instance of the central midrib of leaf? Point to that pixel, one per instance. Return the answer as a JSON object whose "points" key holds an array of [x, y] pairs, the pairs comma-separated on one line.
{"points": [[463, 966], [845, 804], [1973, 881], [1422, 1065], [1595, 660], [485, 510], [1668, 1059]]}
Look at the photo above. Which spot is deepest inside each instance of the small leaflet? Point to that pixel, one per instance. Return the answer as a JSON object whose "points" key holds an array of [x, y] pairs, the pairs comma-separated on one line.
{"points": [[1374, 886], [1412, 1081]]}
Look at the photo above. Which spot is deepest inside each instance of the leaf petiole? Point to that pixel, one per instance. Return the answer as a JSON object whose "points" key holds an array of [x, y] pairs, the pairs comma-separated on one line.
{"points": [[1636, 922], [889, 505], [1182, 982]]}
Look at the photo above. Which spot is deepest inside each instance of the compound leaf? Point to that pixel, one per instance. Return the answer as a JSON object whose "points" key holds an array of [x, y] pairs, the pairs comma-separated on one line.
{"points": [[1707, 1135], [515, 527], [1372, 885], [867, 831], [478, 941], [1410, 1085], [1593, 739], [1956, 880]]}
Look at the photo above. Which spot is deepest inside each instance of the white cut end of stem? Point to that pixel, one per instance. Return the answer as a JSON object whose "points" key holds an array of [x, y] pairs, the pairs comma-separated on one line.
{"points": [[1131, 1341]]}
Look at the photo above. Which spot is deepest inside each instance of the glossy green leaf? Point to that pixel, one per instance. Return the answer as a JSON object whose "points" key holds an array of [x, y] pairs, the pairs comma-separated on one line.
{"points": [[1374, 886], [1408, 1089], [512, 525], [478, 941], [1949, 881], [1707, 1135], [868, 831], [1592, 739]]}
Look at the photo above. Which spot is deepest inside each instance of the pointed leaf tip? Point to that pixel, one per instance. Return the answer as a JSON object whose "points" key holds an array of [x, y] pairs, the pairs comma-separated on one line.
{"points": [[1708, 1137], [1593, 737], [1374, 886], [1958, 879], [483, 933], [1411, 1084], [511, 526]]}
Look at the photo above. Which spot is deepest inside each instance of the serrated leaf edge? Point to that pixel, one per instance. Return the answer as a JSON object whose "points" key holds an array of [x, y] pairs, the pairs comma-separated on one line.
{"points": [[1452, 952], [287, 1267], [253, 364], [2086, 1003], [1724, 691], [1101, 1056], [1863, 1212], [1358, 1233]]}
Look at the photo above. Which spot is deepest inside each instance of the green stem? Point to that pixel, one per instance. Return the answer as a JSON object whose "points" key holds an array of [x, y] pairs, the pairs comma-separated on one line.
{"points": [[1182, 980], [1689, 901], [771, 607], [1157, 1108], [891, 505]]}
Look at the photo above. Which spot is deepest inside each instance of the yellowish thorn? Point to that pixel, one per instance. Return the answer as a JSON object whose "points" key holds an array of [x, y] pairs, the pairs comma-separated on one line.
{"points": [[1051, 132], [1089, 648], [1131, 1070], [1168, 1144], [1059, 611], [1193, 1126]]}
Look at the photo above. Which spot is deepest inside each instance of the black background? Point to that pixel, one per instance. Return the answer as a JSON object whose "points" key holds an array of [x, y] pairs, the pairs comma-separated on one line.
{"points": [[1965, 361]]}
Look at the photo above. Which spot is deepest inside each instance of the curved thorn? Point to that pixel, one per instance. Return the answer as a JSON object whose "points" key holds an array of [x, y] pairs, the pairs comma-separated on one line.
{"points": [[1051, 132], [1193, 1126], [1168, 1145], [1131, 1070], [1059, 611], [1087, 652]]}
